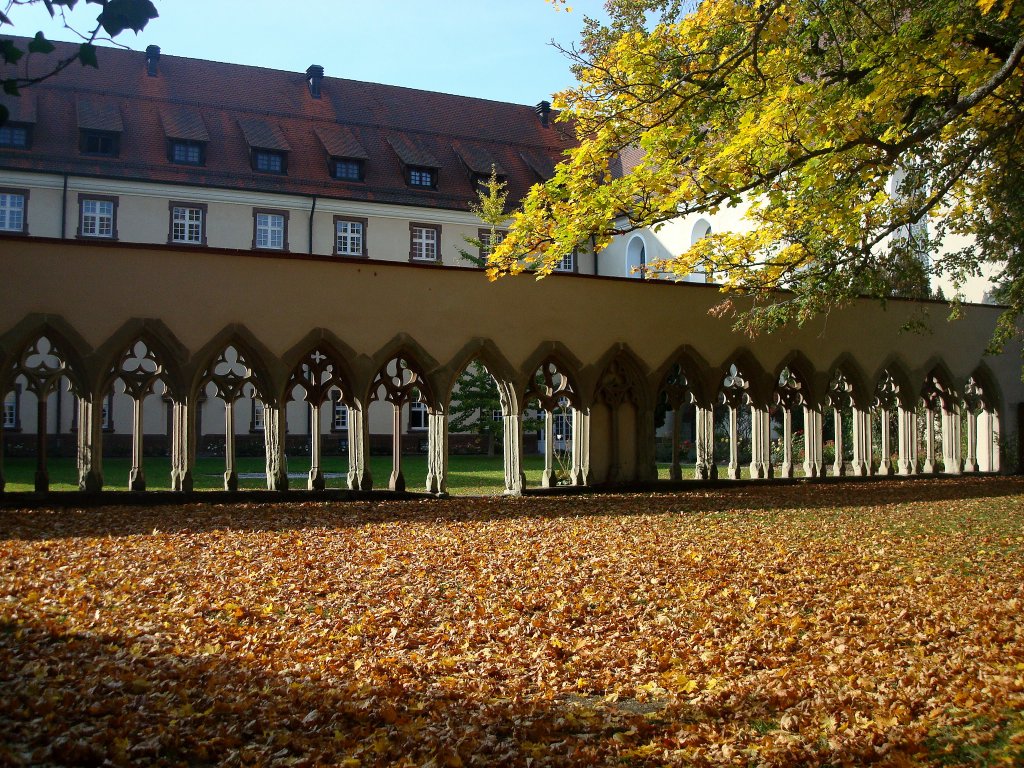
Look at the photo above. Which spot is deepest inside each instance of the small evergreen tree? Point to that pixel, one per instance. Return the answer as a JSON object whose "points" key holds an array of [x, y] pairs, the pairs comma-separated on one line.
{"points": [[490, 207], [474, 402]]}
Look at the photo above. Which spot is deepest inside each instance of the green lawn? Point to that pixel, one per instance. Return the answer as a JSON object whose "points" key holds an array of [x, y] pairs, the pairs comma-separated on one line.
{"points": [[468, 475]]}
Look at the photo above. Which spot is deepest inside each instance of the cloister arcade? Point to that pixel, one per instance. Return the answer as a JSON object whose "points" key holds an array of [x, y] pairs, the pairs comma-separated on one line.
{"points": [[617, 366], [933, 420]]}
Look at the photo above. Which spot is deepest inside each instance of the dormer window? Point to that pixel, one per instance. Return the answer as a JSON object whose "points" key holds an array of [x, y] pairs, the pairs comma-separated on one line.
{"points": [[186, 152], [347, 169], [102, 143], [480, 182], [15, 136], [268, 161], [420, 176]]}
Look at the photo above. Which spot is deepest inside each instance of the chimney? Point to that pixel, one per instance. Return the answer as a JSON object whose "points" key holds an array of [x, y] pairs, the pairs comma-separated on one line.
{"points": [[543, 111], [152, 57], [314, 76]]}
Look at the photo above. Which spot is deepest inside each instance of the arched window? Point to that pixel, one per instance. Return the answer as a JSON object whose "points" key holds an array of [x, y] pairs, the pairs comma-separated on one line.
{"points": [[636, 257]]}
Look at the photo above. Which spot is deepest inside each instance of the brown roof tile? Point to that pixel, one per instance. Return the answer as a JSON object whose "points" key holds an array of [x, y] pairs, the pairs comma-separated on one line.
{"points": [[99, 115], [411, 151], [263, 134], [339, 141], [183, 123], [478, 159], [20, 109], [238, 107], [540, 163]]}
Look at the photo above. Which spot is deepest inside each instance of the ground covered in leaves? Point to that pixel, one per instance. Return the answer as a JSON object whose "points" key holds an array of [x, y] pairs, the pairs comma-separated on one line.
{"points": [[828, 624]]}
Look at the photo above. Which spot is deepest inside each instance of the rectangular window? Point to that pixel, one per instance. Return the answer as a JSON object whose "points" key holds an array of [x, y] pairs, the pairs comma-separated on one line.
{"points": [[12, 211], [417, 416], [187, 152], [422, 177], [107, 414], [14, 136], [270, 230], [340, 421], [486, 246], [349, 236], [103, 143], [424, 242], [567, 264], [347, 170], [256, 424], [268, 161], [11, 410], [98, 217], [188, 224]]}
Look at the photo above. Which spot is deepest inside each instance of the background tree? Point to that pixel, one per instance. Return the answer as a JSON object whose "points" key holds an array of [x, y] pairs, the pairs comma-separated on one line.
{"points": [[474, 401], [115, 17], [844, 125]]}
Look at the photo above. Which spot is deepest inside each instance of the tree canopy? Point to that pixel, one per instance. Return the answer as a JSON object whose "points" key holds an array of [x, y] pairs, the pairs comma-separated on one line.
{"points": [[114, 17], [843, 125]]}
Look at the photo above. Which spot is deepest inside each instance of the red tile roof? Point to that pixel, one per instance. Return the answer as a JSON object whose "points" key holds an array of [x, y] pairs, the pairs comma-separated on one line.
{"points": [[234, 107]]}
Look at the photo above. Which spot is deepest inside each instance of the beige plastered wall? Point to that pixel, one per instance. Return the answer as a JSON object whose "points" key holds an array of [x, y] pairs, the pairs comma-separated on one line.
{"points": [[441, 314]]}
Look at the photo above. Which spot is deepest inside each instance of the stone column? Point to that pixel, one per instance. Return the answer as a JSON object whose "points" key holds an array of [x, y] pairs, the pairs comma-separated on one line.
{"points": [[971, 460], [183, 442], [760, 443], [988, 441], [706, 468], [137, 476], [580, 447], [230, 472], [907, 441], [548, 475], [90, 446], [397, 480], [42, 477], [787, 443], [733, 471], [437, 453], [275, 428], [884, 462], [512, 446], [646, 461], [861, 442], [929, 441], [675, 472], [951, 440], [316, 472], [838, 464], [814, 463], [359, 476]]}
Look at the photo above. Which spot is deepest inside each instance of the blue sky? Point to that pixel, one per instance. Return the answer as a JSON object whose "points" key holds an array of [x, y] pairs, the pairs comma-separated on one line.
{"points": [[496, 49]]}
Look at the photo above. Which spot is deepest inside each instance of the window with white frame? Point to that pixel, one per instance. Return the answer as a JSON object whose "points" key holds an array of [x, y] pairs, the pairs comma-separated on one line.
{"points": [[346, 169], [339, 421], [420, 176], [11, 410], [270, 230], [268, 161], [187, 224], [97, 217], [12, 211], [487, 243], [107, 413], [417, 416], [349, 236], [14, 136], [256, 423], [424, 242], [568, 263], [187, 152]]}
